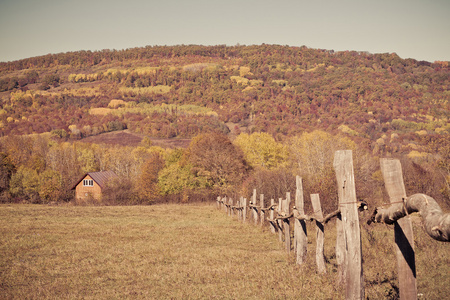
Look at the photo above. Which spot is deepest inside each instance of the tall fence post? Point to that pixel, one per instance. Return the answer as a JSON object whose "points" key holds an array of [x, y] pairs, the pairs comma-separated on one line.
{"points": [[343, 165], [403, 231], [287, 231], [300, 235], [320, 258]]}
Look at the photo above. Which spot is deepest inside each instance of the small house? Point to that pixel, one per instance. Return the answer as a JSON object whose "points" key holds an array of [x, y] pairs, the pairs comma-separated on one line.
{"points": [[91, 185]]}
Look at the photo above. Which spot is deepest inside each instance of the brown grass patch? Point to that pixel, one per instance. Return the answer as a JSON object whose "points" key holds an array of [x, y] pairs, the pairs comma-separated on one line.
{"points": [[183, 252], [100, 111], [128, 138]]}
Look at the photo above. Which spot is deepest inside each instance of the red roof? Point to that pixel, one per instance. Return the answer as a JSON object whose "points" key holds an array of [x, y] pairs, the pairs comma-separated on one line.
{"points": [[101, 178]]}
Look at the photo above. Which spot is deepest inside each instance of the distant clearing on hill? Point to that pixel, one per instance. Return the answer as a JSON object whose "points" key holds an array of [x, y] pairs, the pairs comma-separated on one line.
{"points": [[127, 138]]}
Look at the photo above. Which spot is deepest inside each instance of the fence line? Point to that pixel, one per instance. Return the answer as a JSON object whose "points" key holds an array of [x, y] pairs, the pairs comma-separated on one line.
{"points": [[348, 240]]}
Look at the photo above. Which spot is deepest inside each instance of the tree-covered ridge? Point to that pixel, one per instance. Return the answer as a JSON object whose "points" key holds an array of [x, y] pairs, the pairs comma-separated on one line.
{"points": [[380, 100]]}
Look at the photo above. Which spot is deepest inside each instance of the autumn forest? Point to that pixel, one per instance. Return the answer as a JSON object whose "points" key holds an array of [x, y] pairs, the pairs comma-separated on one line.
{"points": [[187, 123]]}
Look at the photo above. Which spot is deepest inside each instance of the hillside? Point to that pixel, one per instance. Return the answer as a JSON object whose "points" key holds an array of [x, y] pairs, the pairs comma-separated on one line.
{"points": [[182, 91], [278, 105]]}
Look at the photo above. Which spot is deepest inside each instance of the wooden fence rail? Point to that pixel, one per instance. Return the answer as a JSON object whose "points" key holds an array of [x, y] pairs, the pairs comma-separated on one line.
{"points": [[348, 241]]}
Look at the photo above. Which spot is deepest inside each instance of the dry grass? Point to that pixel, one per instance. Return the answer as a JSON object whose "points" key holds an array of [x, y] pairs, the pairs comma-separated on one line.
{"points": [[158, 89], [180, 252], [102, 111], [149, 109]]}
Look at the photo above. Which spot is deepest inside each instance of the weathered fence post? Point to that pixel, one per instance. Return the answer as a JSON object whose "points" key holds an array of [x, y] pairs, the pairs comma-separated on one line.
{"points": [[261, 213], [241, 200], [273, 228], [244, 210], [254, 209], [279, 221], [238, 209], [233, 208], [287, 231], [404, 239], [224, 204], [343, 165], [340, 251], [320, 259], [300, 236]]}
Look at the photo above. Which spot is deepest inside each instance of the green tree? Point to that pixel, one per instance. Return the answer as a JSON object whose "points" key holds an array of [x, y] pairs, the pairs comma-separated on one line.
{"points": [[25, 184], [32, 76], [177, 177], [50, 80]]}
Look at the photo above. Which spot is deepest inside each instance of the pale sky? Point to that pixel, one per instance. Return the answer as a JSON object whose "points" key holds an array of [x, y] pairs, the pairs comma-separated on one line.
{"points": [[418, 29]]}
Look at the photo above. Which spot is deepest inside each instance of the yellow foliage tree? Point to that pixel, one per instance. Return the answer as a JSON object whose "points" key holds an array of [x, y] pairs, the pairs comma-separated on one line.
{"points": [[261, 150], [313, 153], [87, 160], [312, 156], [25, 183], [50, 186]]}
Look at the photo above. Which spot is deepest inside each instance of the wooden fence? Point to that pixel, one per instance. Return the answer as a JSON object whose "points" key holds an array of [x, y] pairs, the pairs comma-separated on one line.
{"points": [[348, 242]]}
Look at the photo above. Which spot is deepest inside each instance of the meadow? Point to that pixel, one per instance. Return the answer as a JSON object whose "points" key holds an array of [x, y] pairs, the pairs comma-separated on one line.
{"points": [[186, 252]]}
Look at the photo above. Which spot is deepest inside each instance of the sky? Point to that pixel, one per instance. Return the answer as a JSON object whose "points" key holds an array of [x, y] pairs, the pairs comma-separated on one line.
{"points": [[418, 29]]}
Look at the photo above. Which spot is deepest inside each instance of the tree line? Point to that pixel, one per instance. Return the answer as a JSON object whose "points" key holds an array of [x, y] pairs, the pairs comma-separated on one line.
{"points": [[38, 169]]}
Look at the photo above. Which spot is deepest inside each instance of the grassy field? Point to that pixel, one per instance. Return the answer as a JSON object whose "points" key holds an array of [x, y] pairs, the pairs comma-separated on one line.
{"points": [[184, 252]]}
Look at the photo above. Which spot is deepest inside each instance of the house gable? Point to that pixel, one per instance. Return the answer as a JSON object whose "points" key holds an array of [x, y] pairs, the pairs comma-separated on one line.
{"points": [[90, 185]]}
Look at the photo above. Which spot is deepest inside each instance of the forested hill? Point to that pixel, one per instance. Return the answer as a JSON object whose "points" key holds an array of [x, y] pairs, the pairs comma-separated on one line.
{"points": [[383, 102]]}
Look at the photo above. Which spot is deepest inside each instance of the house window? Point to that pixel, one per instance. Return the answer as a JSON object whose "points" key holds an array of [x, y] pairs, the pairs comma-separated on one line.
{"points": [[88, 182]]}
